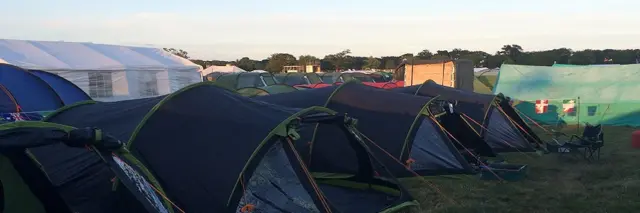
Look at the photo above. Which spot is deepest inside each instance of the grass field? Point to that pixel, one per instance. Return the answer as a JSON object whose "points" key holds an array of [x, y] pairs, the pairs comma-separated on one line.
{"points": [[553, 184]]}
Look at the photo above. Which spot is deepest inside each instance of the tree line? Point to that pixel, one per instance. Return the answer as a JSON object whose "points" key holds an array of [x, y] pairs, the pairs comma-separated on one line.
{"points": [[510, 54]]}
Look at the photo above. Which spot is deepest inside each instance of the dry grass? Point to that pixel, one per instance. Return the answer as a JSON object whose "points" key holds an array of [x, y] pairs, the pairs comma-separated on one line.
{"points": [[554, 184]]}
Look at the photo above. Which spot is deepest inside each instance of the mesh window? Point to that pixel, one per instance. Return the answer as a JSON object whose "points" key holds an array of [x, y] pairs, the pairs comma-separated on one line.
{"points": [[362, 78], [275, 187], [430, 152], [148, 84], [248, 81], [182, 81], [296, 80], [313, 79], [100, 84], [502, 135], [269, 80], [328, 79], [280, 79]]}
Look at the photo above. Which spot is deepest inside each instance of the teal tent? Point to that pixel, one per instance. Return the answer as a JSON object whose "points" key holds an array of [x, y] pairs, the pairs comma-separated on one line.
{"points": [[567, 95]]}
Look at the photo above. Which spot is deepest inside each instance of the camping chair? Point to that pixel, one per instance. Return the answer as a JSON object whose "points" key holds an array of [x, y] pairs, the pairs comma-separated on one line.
{"points": [[587, 146]]}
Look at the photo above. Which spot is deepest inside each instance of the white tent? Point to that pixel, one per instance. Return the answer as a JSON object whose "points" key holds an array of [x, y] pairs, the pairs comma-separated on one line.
{"points": [[221, 69], [105, 72]]}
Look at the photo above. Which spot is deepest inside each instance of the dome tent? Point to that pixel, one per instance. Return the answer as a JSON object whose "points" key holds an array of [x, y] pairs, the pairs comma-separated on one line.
{"points": [[346, 76], [399, 124], [305, 80], [260, 169], [33, 90], [68, 92], [234, 81], [490, 116], [24, 187]]}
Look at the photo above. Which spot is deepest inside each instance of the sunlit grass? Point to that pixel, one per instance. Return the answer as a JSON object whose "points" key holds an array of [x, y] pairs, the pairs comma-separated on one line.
{"points": [[554, 184]]}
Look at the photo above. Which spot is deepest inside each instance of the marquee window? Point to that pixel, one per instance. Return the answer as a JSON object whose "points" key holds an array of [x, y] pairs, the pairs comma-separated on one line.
{"points": [[100, 85], [148, 86]]}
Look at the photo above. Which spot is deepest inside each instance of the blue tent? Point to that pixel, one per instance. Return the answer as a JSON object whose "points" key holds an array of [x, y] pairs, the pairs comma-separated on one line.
{"points": [[33, 91], [68, 92]]}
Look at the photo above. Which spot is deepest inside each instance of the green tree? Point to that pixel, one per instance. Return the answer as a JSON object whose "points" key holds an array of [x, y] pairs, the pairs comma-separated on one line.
{"points": [[371, 63], [513, 51], [407, 56], [339, 61], [442, 54], [584, 57], [494, 61], [246, 63], [178, 52], [424, 54], [308, 60], [478, 58], [356, 62], [277, 61], [390, 64]]}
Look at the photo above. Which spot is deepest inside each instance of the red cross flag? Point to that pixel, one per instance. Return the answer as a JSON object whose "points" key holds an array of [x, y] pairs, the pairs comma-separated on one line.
{"points": [[542, 106], [569, 106]]}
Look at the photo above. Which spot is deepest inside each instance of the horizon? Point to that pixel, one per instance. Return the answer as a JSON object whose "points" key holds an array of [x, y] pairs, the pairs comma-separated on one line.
{"points": [[376, 28]]}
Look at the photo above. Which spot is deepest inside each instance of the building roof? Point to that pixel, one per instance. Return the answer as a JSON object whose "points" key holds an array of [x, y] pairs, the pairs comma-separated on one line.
{"points": [[84, 56]]}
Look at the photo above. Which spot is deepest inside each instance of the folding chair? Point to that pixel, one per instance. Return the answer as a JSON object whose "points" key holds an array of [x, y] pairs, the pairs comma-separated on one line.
{"points": [[586, 146]]}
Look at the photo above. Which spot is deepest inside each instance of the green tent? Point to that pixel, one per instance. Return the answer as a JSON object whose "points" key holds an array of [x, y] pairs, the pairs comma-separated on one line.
{"points": [[480, 87], [260, 91], [601, 94]]}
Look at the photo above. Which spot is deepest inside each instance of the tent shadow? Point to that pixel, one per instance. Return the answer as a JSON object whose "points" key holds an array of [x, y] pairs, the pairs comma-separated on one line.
{"points": [[627, 118]]}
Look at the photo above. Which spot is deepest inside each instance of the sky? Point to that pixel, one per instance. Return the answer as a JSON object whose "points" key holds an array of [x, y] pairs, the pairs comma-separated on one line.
{"points": [[231, 29]]}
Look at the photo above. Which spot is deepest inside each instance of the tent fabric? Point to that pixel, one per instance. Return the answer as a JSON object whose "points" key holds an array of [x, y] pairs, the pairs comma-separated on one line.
{"points": [[28, 91], [32, 90], [236, 81], [306, 80], [16, 195], [81, 176], [68, 92], [293, 79], [41, 194], [221, 69], [58, 55], [105, 72], [18, 136], [279, 88], [395, 122], [252, 91], [493, 125], [602, 94], [464, 136], [180, 126], [273, 89]]}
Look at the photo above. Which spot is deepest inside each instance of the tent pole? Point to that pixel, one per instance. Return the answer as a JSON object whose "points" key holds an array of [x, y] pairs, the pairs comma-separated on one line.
{"points": [[412, 64], [442, 82], [578, 114]]}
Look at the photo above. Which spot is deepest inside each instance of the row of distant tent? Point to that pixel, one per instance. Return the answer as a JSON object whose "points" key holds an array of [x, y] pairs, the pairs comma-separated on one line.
{"points": [[333, 149], [266, 83]]}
